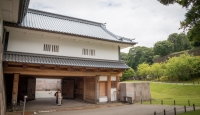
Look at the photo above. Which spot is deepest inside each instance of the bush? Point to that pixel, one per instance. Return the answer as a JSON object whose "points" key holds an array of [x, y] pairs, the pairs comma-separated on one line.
{"points": [[127, 74]]}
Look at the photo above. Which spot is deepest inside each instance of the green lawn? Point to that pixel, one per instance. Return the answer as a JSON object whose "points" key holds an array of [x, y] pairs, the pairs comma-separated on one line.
{"points": [[197, 112], [170, 92]]}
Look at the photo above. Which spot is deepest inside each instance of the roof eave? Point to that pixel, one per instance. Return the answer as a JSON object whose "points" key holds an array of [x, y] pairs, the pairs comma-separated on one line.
{"points": [[23, 7]]}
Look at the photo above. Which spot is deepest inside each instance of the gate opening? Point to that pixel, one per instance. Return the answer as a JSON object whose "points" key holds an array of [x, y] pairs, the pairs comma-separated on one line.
{"points": [[46, 88]]}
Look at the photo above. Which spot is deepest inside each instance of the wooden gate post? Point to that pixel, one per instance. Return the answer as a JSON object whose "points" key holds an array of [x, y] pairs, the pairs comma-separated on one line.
{"points": [[109, 88], [118, 90], [84, 88], [96, 89], [15, 87]]}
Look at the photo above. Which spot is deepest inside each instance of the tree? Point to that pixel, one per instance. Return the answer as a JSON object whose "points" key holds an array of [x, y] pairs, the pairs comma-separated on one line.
{"points": [[194, 35], [157, 70], [124, 56], [163, 48], [180, 42], [143, 69], [182, 67], [127, 74], [140, 54]]}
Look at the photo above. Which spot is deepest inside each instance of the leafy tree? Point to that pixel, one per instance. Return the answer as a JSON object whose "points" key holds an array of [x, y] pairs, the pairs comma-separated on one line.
{"points": [[140, 54], [194, 35], [143, 69], [163, 48], [182, 67], [124, 56], [157, 70], [127, 74], [180, 41]]}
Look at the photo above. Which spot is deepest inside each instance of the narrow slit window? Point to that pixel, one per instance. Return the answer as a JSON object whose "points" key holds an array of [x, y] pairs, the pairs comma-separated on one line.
{"points": [[90, 52], [55, 48], [47, 47], [51, 48]]}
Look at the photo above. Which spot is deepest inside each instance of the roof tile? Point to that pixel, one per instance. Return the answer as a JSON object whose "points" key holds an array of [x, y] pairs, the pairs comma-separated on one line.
{"points": [[61, 60]]}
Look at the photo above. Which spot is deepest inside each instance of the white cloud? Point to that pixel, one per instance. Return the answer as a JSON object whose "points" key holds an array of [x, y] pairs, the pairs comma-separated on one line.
{"points": [[146, 20]]}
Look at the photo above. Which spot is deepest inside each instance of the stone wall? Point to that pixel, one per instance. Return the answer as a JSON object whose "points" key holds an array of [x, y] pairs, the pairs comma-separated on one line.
{"points": [[195, 52], [137, 91], [48, 84]]}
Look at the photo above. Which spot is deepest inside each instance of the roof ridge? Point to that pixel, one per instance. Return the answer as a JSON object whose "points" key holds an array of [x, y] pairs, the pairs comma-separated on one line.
{"points": [[120, 38], [109, 32], [60, 16]]}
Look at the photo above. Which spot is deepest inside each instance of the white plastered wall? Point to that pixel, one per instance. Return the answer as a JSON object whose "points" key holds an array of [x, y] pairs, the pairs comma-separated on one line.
{"points": [[33, 43], [113, 90]]}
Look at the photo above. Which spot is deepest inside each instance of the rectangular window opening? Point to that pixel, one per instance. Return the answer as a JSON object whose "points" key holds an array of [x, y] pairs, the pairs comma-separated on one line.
{"points": [[90, 52]]}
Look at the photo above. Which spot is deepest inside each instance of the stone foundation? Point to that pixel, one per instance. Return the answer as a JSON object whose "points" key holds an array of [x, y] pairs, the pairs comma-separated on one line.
{"points": [[137, 91]]}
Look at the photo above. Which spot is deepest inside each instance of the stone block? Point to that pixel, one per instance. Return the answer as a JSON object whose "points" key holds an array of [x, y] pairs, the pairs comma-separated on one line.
{"points": [[137, 91]]}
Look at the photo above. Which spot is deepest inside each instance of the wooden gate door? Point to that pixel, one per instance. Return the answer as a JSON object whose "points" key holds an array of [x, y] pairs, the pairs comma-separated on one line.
{"points": [[90, 89], [68, 88], [31, 88]]}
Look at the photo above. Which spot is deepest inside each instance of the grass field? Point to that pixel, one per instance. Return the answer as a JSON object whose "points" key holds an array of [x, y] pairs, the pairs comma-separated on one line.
{"points": [[170, 92], [197, 112]]}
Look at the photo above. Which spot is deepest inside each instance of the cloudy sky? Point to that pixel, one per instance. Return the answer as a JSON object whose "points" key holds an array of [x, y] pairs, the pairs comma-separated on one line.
{"points": [[147, 21]]}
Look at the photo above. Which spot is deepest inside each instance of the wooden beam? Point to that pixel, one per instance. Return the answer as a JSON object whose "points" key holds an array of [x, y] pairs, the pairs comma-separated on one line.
{"points": [[24, 66], [42, 67], [56, 67], [97, 70], [70, 68], [83, 69], [52, 72], [5, 65], [109, 88], [15, 88]]}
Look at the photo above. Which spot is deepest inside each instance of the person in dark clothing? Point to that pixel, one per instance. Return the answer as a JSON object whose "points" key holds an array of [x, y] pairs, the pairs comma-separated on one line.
{"points": [[56, 94]]}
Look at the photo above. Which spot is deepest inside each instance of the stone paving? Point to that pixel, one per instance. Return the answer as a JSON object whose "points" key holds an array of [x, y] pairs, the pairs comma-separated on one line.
{"points": [[135, 109], [49, 103], [47, 106]]}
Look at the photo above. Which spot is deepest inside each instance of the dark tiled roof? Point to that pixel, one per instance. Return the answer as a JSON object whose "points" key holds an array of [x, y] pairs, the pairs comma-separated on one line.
{"points": [[64, 24], [61, 60]]}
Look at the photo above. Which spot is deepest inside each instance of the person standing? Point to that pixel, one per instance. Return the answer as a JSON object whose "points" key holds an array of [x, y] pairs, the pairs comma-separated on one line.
{"points": [[59, 98], [56, 94]]}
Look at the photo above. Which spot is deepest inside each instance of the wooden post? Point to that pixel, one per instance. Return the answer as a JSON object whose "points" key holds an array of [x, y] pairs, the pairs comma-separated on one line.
{"points": [[109, 88], [185, 108], [96, 89], [188, 102], [174, 110], [84, 88], [164, 112], [194, 107], [15, 87], [118, 90]]}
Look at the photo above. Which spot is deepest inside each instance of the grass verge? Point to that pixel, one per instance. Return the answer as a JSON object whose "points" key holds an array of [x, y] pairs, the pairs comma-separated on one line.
{"points": [[170, 92]]}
